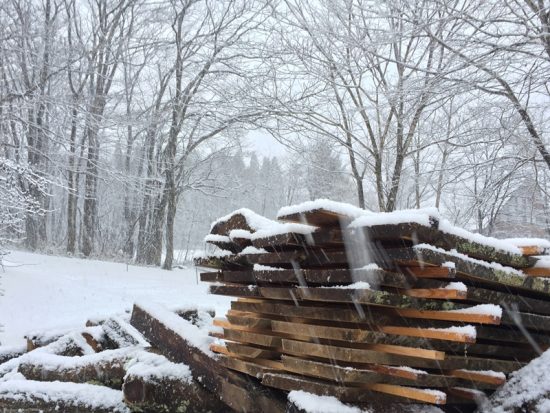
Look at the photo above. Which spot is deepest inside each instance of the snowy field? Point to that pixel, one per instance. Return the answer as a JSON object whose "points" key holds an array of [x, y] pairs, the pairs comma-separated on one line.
{"points": [[43, 292]]}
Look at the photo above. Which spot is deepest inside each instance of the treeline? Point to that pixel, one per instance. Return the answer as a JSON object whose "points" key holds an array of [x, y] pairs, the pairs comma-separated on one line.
{"points": [[122, 122]]}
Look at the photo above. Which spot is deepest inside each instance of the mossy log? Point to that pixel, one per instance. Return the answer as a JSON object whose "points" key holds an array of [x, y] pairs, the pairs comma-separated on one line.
{"points": [[33, 396], [109, 372], [168, 395]]}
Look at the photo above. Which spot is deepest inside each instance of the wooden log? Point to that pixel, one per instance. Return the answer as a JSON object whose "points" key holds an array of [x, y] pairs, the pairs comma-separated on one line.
{"points": [[108, 370], [167, 395], [27, 395], [235, 391], [10, 352]]}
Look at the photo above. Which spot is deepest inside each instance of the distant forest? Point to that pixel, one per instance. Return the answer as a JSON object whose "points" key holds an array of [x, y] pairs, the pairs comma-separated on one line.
{"points": [[124, 123]]}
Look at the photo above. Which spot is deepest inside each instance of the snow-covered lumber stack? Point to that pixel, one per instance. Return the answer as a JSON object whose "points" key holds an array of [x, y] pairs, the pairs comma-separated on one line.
{"points": [[398, 307]]}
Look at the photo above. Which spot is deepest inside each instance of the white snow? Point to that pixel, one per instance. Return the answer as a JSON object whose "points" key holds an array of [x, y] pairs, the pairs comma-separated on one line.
{"points": [[369, 267], [253, 250], [312, 403], [217, 238], [499, 244], [239, 233], [259, 267], [467, 330], [482, 309], [253, 220], [359, 285], [418, 216], [411, 370], [459, 286], [527, 387], [326, 204], [216, 254], [449, 264], [151, 366], [75, 394], [542, 262], [62, 293], [278, 228], [529, 242]]}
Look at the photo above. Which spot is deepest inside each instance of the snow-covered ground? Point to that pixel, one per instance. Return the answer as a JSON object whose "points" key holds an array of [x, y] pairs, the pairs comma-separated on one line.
{"points": [[43, 292]]}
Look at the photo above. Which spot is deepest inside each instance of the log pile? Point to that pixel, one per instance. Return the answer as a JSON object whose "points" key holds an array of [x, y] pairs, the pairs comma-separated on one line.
{"points": [[376, 308]]}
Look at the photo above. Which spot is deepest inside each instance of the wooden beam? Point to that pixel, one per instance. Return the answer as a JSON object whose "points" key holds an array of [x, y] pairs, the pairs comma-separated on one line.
{"points": [[422, 395], [478, 376]]}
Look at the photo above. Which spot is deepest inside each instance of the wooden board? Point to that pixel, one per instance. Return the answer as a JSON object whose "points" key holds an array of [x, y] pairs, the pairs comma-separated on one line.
{"points": [[419, 234], [475, 273]]}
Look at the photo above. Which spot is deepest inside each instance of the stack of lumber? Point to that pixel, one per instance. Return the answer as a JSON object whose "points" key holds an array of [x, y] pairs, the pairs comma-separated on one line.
{"points": [[376, 308]]}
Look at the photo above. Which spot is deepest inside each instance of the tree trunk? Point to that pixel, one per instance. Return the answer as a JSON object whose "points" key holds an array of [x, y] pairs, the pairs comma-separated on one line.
{"points": [[90, 192], [170, 217], [72, 194]]}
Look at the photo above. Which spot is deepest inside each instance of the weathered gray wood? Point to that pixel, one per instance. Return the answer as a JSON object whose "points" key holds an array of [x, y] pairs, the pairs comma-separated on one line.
{"points": [[109, 372]]}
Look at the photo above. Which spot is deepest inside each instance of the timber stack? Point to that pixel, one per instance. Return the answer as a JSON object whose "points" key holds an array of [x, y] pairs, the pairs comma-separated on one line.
{"points": [[376, 308]]}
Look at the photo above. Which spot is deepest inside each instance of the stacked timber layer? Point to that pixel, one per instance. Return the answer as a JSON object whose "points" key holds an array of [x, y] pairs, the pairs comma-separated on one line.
{"points": [[393, 308]]}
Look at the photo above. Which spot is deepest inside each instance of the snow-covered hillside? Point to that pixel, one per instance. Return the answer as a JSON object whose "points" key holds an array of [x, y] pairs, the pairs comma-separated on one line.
{"points": [[43, 292]]}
